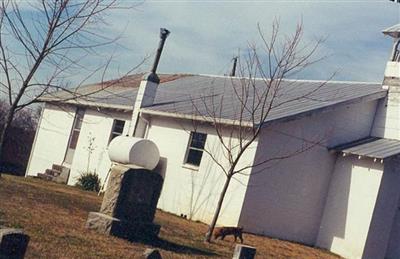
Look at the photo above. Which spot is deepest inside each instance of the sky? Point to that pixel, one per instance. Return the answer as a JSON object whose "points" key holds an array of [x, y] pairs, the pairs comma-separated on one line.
{"points": [[207, 34]]}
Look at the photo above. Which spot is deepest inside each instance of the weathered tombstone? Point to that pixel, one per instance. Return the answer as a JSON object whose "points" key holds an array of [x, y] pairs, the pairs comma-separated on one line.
{"points": [[13, 243], [244, 252], [152, 254], [129, 204], [132, 193]]}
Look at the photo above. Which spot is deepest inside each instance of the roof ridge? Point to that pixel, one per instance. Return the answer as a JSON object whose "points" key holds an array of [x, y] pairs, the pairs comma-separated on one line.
{"points": [[295, 80]]}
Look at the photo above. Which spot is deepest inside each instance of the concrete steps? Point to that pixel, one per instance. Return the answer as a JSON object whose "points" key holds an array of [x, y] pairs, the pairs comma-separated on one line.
{"points": [[45, 177], [57, 167], [53, 172], [57, 173]]}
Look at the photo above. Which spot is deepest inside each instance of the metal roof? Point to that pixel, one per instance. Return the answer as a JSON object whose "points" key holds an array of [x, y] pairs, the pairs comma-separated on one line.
{"points": [[188, 95], [117, 94], [371, 147], [393, 31], [202, 95]]}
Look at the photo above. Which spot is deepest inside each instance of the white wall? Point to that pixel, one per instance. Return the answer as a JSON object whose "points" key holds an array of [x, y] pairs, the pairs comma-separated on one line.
{"points": [[287, 199], [96, 124], [53, 135], [384, 232], [350, 205], [51, 139], [359, 218], [393, 250], [387, 119], [195, 192]]}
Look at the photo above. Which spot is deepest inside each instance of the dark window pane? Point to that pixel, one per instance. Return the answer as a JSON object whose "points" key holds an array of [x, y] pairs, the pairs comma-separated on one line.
{"points": [[78, 118], [78, 123], [194, 157], [119, 126], [198, 140], [74, 139]]}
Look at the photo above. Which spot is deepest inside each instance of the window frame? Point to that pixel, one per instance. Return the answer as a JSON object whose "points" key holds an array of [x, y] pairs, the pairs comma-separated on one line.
{"points": [[76, 128], [189, 147], [113, 132]]}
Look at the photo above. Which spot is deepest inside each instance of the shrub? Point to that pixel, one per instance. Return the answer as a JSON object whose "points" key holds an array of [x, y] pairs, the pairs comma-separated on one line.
{"points": [[89, 181]]}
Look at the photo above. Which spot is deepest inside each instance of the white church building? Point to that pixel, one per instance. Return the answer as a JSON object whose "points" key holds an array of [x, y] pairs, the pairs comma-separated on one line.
{"points": [[341, 195]]}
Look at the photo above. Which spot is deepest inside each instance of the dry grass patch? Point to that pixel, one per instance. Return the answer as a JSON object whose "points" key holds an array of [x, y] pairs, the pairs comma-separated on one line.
{"points": [[54, 216]]}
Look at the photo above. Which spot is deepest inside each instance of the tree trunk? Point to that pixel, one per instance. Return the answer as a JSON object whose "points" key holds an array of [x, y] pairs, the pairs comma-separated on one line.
{"points": [[218, 209]]}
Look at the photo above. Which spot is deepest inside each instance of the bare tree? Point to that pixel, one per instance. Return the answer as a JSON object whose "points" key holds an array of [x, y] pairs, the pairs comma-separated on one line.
{"points": [[45, 43], [257, 92]]}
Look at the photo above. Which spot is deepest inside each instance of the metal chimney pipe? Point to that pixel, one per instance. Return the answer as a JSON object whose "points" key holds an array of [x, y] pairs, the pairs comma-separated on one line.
{"points": [[163, 36], [152, 75], [233, 72]]}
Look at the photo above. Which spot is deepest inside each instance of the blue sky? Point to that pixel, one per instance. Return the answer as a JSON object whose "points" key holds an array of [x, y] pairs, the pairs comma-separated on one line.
{"points": [[205, 35]]}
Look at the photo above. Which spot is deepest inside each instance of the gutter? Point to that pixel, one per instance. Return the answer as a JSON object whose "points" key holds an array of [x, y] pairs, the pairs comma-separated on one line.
{"points": [[90, 104], [196, 117]]}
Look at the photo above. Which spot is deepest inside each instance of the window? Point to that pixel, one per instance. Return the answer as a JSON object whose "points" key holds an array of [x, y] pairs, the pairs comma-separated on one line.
{"points": [[195, 148], [117, 129], [76, 129]]}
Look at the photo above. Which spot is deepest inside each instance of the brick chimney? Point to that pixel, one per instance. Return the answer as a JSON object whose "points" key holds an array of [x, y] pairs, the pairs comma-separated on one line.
{"points": [[147, 90], [387, 118]]}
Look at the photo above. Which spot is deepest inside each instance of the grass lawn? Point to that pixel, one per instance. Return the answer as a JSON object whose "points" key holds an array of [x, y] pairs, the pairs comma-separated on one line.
{"points": [[54, 216]]}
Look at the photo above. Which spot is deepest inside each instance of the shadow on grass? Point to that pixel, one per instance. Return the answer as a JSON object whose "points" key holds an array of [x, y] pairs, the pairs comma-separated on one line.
{"points": [[177, 248]]}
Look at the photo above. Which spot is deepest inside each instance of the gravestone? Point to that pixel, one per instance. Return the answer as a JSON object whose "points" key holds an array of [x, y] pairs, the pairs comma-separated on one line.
{"points": [[244, 252], [129, 204], [13, 243]]}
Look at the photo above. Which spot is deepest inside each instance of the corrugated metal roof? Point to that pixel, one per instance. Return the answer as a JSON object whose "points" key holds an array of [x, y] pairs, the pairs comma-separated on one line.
{"points": [[203, 95], [393, 31], [119, 93], [371, 147]]}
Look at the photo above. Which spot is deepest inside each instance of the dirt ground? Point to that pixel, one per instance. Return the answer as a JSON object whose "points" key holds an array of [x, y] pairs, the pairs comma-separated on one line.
{"points": [[54, 216]]}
